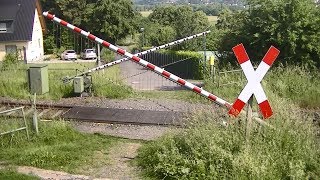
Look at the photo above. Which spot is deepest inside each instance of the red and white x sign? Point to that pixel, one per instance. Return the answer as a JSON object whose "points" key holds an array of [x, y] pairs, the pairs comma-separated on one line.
{"points": [[254, 78]]}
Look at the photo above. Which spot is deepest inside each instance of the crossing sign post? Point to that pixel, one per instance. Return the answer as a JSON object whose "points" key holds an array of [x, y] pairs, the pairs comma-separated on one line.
{"points": [[254, 78]]}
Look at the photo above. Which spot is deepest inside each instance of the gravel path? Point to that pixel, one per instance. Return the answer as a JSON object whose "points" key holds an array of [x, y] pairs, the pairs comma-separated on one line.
{"points": [[124, 131]]}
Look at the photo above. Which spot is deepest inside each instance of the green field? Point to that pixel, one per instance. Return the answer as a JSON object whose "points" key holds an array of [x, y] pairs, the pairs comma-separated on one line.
{"points": [[212, 19], [145, 13]]}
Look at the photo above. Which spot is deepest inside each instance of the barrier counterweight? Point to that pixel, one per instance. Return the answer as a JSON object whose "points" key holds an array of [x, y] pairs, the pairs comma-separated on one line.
{"points": [[142, 62]]}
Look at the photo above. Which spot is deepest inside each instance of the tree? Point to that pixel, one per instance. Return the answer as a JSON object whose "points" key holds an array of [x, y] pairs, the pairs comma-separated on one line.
{"points": [[293, 26], [108, 19], [156, 34], [183, 20], [112, 19]]}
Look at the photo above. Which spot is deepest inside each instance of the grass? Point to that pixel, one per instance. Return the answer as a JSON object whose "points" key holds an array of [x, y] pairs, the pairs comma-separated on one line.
{"points": [[294, 83], [13, 81], [8, 174], [208, 150], [58, 147], [109, 84]]}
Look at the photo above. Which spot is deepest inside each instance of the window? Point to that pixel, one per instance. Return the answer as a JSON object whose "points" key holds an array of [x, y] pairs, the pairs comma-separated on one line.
{"points": [[6, 26], [3, 27], [11, 49]]}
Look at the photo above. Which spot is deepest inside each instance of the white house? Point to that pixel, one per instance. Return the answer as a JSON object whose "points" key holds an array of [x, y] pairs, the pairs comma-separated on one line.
{"points": [[21, 29]]}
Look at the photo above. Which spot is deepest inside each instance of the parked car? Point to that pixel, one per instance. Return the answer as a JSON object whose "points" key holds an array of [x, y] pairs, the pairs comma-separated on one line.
{"points": [[69, 55], [88, 54]]}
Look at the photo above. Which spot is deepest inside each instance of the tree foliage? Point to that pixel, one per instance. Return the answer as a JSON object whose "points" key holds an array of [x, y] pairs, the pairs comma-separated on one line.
{"points": [[176, 22], [182, 18], [156, 34], [108, 19], [293, 26]]}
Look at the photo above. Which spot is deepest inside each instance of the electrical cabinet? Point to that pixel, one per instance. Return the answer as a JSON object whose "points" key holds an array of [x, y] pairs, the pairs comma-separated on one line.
{"points": [[38, 79], [78, 84]]}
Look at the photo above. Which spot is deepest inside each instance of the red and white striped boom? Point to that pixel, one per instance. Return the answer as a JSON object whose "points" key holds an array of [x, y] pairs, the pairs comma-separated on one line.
{"points": [[142, 62], [138, 54]]}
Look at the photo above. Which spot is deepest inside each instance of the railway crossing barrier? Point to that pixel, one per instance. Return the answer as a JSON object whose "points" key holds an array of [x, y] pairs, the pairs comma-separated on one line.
{"points": [[101, 67], [141, 62], [253, 86]]}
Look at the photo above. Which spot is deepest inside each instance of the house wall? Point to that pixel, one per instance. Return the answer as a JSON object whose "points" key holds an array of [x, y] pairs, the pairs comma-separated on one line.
{"points": [[35, 49], [19, 45]]}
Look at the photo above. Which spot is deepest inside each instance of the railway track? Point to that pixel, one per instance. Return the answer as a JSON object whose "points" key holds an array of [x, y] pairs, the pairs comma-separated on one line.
{"points": [[44, 111], [95, 114]]}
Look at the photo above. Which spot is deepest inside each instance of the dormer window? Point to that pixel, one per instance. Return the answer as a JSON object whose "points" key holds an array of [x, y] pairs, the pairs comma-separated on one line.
{"points": [[6, 26], [3, 27]]}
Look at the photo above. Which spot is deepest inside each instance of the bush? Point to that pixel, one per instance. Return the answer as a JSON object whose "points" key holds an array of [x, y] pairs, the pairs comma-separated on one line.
{"points": [[10, 60], [207, 150]]}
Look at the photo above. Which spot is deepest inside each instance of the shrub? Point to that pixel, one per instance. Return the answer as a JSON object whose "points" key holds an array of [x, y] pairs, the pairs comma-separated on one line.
{"points": [[10, 60]]}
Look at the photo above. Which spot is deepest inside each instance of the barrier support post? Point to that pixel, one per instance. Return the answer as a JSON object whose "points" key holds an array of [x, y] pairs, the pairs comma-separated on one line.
{"points": [[98, 57], [249, 120], [35, 116]]}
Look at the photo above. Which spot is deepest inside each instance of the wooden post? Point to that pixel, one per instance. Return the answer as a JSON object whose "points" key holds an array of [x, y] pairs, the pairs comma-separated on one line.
{"points": [[249, 119]]}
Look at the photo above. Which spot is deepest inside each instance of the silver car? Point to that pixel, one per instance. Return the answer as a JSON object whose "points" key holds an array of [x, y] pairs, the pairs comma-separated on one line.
{"points": [[88, 54], [69, 55]]}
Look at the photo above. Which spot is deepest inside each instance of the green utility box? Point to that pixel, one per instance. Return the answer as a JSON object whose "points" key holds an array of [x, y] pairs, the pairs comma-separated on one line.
{"points": [[78, 84], [38, 79]]}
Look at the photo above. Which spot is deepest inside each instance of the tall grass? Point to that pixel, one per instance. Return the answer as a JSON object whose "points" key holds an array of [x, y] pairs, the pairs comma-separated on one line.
{"points": [[298, 84], [109, 84]]}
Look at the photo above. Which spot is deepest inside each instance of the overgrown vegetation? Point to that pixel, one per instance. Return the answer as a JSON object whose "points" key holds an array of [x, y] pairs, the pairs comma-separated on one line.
{"points": [[209, 150], [58, 147], [295, 83], [10, 60]]}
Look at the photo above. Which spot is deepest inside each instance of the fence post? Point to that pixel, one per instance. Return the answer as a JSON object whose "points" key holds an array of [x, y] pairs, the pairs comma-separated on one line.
{"points": [[25, 123]]}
